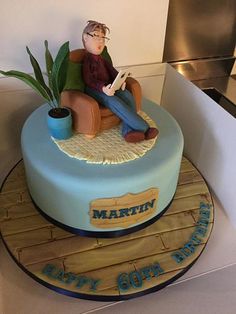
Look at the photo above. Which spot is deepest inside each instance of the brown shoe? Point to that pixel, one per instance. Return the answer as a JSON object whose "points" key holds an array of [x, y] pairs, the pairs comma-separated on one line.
{"points": [[134, 137], [151, 133]]}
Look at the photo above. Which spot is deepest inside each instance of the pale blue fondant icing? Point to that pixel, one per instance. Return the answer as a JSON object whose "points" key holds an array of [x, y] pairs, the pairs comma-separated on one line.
{"points": [[63, 187]]}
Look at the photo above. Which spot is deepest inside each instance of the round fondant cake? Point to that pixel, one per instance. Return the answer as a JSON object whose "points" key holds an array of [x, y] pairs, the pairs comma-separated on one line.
{"points": [[97, 199]]}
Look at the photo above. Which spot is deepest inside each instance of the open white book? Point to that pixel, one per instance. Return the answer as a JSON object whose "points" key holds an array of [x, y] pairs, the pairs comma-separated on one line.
{"points": [[120, 79]]}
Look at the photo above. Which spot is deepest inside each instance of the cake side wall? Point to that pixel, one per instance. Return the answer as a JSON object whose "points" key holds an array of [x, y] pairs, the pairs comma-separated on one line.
{"points": [[64, 187]]}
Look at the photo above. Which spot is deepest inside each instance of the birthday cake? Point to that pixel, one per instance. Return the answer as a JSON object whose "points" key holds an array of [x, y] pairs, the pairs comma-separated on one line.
{"points": [[100, 199], [117, 174]]}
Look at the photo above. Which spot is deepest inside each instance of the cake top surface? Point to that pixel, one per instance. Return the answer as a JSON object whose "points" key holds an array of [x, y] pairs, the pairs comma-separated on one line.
{"points": [[37, 144]]}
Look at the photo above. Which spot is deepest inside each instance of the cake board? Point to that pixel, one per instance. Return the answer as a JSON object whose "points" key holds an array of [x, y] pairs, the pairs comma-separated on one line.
{"points": [[107, 269]]}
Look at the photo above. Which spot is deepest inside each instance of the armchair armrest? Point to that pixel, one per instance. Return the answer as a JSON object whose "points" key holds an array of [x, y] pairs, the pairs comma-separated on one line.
{"points": [[85, 111], [134, 87]]}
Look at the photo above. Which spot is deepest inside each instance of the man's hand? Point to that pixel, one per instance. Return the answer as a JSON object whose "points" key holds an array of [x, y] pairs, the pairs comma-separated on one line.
{"points": [[123, 86], [108, 90]]}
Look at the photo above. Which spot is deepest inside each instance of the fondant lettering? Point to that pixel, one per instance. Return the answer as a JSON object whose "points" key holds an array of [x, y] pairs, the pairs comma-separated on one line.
{"points": [[135, 279], [123, 212], [150, 204], [146, 206], [94, 284], [134, 210], [113, 214], [70, 278], [203, 222], [146, 271], [123, 282], [97, 214], [81, 281], [205, 213], [157, 270], [141, 208], [195, 239], [59, 274], [200, 231], [48, 269], [178, 257], [205, 205], [190, 246]]}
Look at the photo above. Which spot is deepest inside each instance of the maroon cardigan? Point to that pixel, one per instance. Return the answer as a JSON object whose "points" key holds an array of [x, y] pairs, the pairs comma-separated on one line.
{"points": [[97, 72]]}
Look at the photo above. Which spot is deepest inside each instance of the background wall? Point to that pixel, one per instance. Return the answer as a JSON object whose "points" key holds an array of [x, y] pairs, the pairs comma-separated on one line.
{"points": [[137, 28]]}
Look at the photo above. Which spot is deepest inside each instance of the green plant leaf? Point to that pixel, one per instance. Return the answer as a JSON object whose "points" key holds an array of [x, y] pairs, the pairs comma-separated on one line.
{"points": [[59, 70], [31, 81], [49, 63], [38, 73]]}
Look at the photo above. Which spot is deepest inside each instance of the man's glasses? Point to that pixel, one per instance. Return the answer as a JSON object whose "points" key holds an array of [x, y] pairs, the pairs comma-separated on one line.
{"points": [[99, 38]]}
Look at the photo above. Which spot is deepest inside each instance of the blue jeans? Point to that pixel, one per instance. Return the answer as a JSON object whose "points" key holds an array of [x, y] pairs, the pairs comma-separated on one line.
{"points": [[123, 105]]}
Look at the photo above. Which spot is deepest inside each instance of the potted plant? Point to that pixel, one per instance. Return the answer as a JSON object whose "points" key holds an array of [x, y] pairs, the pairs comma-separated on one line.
{"points": [[59, 118]]}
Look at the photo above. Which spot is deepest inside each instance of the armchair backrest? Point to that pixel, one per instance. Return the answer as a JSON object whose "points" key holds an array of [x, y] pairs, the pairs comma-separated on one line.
{"points": [[77, 55], [74, 78]]}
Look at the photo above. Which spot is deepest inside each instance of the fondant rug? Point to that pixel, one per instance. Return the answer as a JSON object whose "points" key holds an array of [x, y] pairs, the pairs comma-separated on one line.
{"points": [[108, 147]]}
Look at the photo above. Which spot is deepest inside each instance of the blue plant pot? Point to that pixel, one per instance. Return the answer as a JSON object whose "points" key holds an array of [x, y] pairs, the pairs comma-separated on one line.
{"points": [[60, 123]]}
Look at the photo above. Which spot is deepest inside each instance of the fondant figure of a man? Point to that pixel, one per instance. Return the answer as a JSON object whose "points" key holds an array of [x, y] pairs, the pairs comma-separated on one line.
{"points": [[98, 75]]}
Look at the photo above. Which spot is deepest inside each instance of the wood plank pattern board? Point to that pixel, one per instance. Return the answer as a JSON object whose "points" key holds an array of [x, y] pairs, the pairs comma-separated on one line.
{"points": [[101, 268]]}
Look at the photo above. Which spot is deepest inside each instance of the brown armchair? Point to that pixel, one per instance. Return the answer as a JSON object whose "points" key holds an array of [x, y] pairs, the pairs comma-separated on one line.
{"points": [[89, 117]]}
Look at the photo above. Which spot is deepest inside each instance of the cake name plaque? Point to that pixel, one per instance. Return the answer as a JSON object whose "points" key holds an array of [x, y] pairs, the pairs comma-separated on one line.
{"points": [[125, 210]]}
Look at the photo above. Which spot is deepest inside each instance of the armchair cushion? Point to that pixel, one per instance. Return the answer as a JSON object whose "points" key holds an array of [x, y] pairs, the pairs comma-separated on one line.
{"points": [[74, 79], [106, 55]]}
